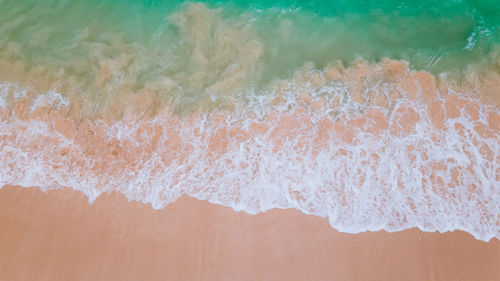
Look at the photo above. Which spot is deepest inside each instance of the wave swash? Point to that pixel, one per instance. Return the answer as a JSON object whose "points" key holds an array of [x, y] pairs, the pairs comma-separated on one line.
{"points": [[370, 145]]}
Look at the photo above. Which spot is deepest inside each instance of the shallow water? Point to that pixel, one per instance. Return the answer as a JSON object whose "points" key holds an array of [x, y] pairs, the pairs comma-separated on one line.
{"points": [[206, 54], [376, 115]]}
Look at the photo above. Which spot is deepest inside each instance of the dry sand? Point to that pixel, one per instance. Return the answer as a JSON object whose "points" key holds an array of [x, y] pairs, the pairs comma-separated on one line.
{"points": [[59, 236]]}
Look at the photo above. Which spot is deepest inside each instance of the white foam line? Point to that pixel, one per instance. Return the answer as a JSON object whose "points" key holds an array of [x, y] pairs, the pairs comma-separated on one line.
{"points": [[378, 183]]}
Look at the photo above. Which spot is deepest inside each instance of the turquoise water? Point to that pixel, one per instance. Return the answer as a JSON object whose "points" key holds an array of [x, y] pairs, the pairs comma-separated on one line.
{"points": [[432, 35], [214, 52]]}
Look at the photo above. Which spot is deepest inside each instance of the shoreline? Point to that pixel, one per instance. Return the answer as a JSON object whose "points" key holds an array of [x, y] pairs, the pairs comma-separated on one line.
{"points": [[59, 236], [327, 156]]}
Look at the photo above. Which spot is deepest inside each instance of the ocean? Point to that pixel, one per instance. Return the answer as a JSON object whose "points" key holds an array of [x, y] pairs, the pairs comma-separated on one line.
{"points": [[379, 115]]}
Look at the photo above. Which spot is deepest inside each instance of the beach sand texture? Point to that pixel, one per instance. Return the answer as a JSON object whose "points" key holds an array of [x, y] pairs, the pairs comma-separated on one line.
{"points": [[59, 236]]}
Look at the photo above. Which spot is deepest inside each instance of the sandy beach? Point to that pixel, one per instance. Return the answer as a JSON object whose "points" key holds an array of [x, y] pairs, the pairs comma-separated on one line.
{"points": [[249, 140], [59, 236]]}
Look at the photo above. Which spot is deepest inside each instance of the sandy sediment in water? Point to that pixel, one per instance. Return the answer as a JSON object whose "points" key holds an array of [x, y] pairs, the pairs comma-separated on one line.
{"points": [[59, 236]]}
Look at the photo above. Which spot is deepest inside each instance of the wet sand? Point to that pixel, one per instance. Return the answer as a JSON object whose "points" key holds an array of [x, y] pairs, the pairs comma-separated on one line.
{"points": [[59, 236]]}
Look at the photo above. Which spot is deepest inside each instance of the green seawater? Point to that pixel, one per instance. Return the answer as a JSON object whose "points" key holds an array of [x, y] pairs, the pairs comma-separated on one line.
{"points": [[193, 46]]}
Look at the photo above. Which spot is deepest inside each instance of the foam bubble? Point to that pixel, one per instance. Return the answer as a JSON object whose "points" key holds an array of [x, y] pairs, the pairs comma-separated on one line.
{"points": [[4, 91], [51, 98]]}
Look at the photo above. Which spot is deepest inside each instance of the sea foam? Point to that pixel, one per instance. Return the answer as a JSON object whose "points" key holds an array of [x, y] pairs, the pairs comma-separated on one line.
{"points": [[368, 152]]}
